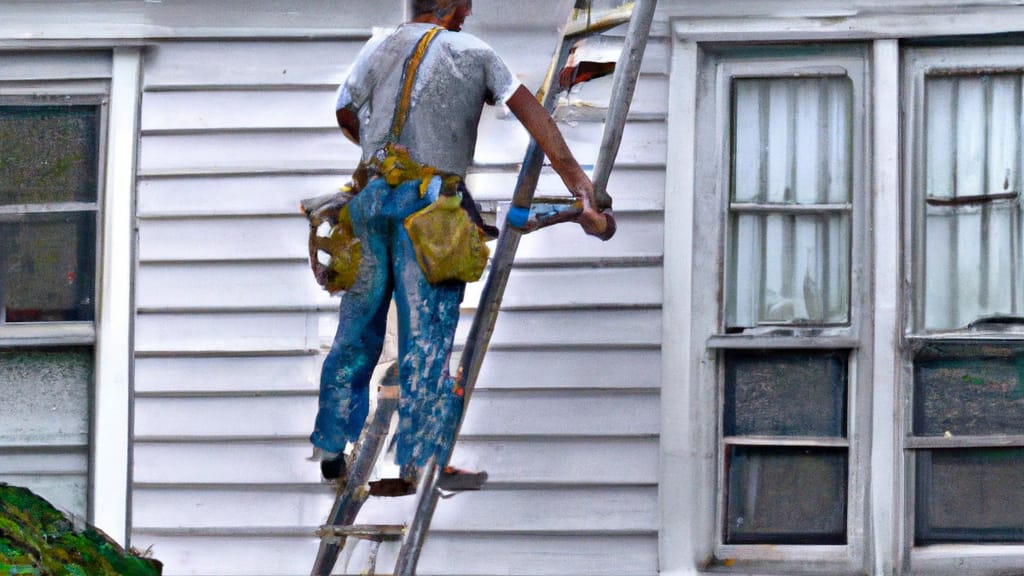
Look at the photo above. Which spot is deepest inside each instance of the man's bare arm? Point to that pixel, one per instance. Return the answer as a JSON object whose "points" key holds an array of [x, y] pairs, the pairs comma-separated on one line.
{"points": [[542, 127]]}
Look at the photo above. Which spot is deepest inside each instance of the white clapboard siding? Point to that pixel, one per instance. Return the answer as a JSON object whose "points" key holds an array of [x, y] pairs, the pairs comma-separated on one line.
{"points": [[227, 374], [224, 239], [550, 510], [478, 555], [243, 108], [563, 287], [253, 194], [240, 333], [231, 330], [495, 413], [179, 65], [559, 461], [229, 285], [242, 151], [636, 188]]}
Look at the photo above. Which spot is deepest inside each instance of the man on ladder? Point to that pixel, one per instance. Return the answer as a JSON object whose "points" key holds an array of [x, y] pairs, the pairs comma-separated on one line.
{"points": [[412, 101]]}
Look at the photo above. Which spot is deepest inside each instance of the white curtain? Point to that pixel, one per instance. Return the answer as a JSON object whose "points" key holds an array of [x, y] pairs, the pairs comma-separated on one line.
{"points": [[790, 208], [972, 175]]}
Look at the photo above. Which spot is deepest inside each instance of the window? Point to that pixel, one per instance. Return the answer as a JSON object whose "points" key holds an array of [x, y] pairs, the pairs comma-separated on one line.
{"points": [[49, 186], [965, 437], [786, 334]]}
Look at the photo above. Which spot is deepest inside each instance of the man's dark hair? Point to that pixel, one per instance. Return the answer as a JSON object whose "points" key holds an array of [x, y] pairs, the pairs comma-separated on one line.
{"points": [[438, 7]]}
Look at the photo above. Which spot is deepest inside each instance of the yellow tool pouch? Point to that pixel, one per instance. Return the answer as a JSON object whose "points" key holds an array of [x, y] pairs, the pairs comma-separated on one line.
{"points": [[448, 245], [334, 250]]}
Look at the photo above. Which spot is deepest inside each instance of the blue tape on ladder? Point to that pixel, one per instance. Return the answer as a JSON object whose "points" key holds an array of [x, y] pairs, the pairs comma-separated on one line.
{"points": [[518, 216]]}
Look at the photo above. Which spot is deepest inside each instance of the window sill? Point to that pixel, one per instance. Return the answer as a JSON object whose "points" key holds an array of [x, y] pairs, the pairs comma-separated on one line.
{"points": [[47, 334]]}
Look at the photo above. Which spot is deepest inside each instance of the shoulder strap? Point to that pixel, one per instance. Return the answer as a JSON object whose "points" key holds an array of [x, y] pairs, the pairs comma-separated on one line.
{"points": [[408, 79]]}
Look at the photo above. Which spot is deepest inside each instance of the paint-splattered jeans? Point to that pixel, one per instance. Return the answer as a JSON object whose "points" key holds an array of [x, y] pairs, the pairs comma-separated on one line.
{"points": [[427, 318]]}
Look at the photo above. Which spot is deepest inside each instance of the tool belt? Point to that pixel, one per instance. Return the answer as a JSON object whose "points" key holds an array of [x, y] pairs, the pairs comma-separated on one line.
{"points": [[449, 236]]}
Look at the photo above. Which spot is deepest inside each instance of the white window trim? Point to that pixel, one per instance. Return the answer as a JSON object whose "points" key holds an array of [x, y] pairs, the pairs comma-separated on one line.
{"points": [[111, 472]]}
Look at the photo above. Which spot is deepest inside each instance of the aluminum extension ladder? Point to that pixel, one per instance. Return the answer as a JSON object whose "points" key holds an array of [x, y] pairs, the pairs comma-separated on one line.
{"points": [[340, 524]]}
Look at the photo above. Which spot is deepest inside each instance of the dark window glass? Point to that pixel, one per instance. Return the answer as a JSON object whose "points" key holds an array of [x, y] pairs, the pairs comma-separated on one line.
{"points": [[48, 215], [785, 393], [786, 495], [970, 495], [47, 268], [48, 154], [978, 395]]}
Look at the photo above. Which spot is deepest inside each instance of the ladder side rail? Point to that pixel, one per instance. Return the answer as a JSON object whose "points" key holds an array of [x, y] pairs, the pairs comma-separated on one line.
{"points": [[485, 318], [353, 494], [623, 86], [482, 328]]}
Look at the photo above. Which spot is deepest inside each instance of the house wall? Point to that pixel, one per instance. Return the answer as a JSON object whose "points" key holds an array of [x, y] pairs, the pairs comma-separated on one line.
{"points": [[231, 330]]}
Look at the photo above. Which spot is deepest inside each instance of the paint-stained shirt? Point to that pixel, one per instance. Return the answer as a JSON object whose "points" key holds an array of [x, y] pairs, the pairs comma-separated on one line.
{"points": [[458, 75]]}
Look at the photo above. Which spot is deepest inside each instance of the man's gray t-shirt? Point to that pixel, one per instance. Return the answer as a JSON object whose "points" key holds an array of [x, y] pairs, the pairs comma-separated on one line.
{"points": [[458, 75]]}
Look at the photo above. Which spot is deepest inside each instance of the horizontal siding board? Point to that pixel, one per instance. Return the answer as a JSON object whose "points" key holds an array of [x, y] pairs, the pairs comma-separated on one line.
{"points": [[78, 65], [573, 328], [253, 63], [266, 332], [231, 195], [217, 375], [577, 287], [640, 235], [43, 462], [643, 143], [238, 109], [492, 413], [548, 510], [235, 285], [554, 461], [228, 152], [219, 108], [632, 188], [443, 554], [224, 239], [540, 368], [650, 99], [620, 369], [228, 285]]}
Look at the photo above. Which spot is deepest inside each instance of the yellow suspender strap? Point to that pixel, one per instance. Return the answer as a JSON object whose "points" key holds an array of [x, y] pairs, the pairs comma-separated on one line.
{"points": [[408, 79]]}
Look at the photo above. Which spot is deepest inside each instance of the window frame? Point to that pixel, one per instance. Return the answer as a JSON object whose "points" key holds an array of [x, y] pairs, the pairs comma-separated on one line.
{"points": [[110, 77], [718, 66], [917, 62]]}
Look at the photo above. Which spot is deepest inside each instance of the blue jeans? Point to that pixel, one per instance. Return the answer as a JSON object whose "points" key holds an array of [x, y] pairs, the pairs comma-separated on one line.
{"points": [[427, 317]]}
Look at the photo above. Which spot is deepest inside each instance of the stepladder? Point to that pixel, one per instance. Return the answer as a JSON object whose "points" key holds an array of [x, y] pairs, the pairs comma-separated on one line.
{"points": [[404, 537]]}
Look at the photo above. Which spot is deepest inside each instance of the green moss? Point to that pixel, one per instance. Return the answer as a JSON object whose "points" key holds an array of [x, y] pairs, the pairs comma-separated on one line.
{"points": [[35, 538]]}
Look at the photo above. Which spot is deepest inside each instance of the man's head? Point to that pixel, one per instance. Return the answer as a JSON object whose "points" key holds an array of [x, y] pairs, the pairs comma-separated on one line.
{"points": [[449, 13]]}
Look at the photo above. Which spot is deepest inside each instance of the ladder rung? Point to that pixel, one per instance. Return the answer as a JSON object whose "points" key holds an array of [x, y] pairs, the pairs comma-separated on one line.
{"points": [[376, 532]]}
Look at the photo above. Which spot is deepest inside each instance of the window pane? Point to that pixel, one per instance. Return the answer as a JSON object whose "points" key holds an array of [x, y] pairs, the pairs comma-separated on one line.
{"points": [[786, 495], [48, 154], [47, 268], [792, 146], [972, 185], [46, 396], [789, 269], [785, 393], [980, 394], [44, 422], [792, 140], [970, 495]]}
